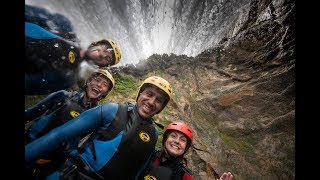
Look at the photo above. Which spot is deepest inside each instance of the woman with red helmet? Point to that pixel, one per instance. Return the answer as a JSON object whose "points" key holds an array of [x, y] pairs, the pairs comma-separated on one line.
{"points": [[169, 163]]}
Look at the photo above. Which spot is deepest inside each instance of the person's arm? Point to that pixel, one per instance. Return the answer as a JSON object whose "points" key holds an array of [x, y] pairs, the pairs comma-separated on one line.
{"points": [[85, 122], [45, 104]]}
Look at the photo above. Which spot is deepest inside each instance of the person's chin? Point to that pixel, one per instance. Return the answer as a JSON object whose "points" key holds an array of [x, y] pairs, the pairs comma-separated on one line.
{"points": [[173, 153], [94, 96], [145, 115]]}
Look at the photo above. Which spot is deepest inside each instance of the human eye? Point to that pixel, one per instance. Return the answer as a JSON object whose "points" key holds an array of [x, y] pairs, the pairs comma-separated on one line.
{"points": [[183, 139], [173, 135], [109, 49], [105, 84], [94, 49], [108, 58], [160, 100], [98, 79], [148, 93]]}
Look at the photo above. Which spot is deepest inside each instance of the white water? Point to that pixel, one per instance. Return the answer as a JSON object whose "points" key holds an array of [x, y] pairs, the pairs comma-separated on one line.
{"points": [[142, 28]]}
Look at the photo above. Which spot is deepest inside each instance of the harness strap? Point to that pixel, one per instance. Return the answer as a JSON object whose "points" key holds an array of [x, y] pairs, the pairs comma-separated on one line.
{"points": [[178, 169], [116, 126]]}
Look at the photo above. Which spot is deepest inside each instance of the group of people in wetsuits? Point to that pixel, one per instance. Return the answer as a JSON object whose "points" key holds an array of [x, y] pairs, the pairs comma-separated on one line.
{"points": [[69, 135]]}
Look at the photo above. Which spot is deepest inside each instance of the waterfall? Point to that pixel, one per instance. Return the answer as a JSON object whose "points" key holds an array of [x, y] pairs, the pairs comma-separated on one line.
{"points": [[142, 28]]}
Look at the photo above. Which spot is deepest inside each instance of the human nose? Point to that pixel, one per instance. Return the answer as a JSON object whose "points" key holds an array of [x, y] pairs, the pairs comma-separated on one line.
{"points": [[106, 56], [100, 83], [152, 99], [176, 140]]}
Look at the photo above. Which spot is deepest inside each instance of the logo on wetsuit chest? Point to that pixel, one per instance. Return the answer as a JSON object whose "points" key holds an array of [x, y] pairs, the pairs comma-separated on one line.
{"points": [[71, 57], [148, 177], [74, 113], [144, 136]]}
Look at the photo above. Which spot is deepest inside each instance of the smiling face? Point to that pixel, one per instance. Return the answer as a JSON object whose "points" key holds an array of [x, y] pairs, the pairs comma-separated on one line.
{"points": [[101, 55], [150, 102], [176, 143], [98, 87]]}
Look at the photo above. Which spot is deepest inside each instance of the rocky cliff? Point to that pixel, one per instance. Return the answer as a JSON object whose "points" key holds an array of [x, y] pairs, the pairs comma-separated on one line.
{"points": [[239, 97]]}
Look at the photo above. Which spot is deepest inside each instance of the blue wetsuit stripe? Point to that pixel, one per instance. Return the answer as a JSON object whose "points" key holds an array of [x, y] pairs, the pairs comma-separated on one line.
{"points": [[36, 32]]}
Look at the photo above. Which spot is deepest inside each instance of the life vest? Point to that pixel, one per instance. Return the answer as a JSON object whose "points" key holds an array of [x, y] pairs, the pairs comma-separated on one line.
{"points": [[167, 170], [70, 108], [51, 61], [120, 150], [60, 113]]}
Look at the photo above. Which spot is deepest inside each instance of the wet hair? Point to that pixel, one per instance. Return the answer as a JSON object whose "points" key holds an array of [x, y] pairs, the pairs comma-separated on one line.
{"points": [[106, 43]]}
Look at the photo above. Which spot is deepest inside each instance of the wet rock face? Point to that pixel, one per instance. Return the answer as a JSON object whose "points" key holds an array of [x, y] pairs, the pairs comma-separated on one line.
{"points": [[239, 97]]}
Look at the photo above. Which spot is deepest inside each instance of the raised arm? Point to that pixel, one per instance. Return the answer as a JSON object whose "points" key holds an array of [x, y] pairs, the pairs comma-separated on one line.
{"points": [[45, 104], [82, 124]]}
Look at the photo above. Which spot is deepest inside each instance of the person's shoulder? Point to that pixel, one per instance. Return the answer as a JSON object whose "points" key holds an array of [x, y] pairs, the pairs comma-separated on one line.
{"points": [[187, 173], [129, 104], [187, 170], [109, 105], [74, 92], [68, 93], [60, 93]]}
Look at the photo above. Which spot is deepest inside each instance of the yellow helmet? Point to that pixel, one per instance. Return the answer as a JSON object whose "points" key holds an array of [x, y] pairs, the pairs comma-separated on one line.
{"points": [[160, 83], [106, 74], [115, 47]]}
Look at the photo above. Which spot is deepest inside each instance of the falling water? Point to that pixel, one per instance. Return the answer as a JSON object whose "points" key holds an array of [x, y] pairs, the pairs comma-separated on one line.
{"points": [[142, 28]]}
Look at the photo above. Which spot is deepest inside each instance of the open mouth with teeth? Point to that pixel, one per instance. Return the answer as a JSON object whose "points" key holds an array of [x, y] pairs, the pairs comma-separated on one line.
{"points": [[147, 109], [96, 90], [174, 146]]}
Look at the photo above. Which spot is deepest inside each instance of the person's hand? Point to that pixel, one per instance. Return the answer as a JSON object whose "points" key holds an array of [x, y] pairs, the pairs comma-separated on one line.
{"points": [[226, 176]]}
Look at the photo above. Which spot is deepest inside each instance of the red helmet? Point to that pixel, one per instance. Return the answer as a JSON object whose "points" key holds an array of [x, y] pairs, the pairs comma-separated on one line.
{"points": [[181, 127]]}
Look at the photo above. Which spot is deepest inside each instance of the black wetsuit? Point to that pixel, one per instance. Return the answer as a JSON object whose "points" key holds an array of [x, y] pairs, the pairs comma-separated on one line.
{"points": [[52, 53]]}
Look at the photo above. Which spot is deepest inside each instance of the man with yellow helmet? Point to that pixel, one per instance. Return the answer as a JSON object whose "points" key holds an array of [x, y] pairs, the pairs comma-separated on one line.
{"points": [[105, 52], [123, 137], [57, 109]]}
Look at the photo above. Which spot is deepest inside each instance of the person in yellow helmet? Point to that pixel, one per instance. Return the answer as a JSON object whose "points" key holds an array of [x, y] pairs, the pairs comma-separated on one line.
{"points": [[102, 53], [54, 57], [57, 109], [124, 136], [105, 52]]}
